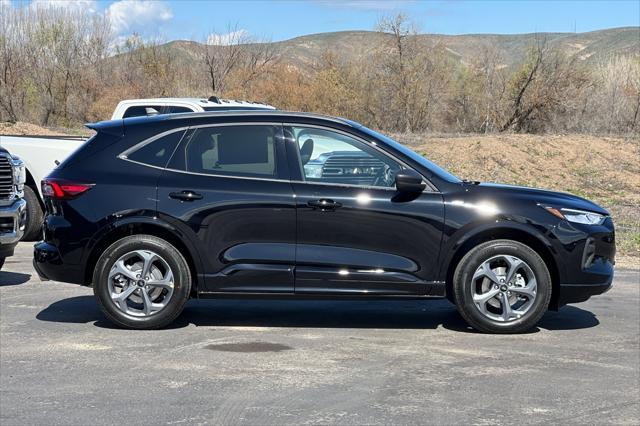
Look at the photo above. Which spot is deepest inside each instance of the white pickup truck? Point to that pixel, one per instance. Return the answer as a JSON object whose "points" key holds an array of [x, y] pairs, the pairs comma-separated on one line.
{"points": [[40, 154]]}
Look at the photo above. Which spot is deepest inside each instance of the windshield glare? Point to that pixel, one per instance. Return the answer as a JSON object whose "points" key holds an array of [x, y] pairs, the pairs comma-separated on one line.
{"points": [[433, 167]]}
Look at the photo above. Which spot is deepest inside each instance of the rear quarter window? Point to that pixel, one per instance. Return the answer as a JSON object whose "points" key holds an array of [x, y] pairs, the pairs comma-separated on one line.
{"points": [[157, 152]]}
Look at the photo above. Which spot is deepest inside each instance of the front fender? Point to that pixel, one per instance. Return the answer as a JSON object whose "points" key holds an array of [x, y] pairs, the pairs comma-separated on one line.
{"points": [[493, 229]]}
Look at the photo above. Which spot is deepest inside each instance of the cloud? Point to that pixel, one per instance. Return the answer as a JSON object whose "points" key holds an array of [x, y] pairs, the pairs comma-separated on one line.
{"points": [[130, 15], [366, 4], [228, 38]]}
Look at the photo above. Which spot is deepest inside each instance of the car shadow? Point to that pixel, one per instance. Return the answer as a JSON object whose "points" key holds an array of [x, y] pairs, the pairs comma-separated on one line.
{"points": [[13, 278], [392, 314]]}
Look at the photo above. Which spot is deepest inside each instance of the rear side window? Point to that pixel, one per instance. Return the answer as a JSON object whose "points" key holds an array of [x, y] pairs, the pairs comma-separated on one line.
{"points": [[157, 152], [248, 150]]}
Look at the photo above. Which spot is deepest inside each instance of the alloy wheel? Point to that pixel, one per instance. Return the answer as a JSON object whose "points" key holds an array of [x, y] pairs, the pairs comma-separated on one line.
{"points": [[504, 288], [141, 283]]}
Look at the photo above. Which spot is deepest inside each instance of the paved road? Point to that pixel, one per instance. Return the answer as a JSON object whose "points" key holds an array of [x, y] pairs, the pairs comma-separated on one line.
{"points": [[275, 362]]}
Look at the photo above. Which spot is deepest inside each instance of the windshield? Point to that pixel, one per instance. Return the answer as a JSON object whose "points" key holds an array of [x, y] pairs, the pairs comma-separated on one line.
{"points": [[433, 167]]}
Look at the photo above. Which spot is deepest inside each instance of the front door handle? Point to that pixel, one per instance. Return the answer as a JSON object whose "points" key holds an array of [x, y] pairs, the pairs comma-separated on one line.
{"points": [[185, 195], [324, 204]]}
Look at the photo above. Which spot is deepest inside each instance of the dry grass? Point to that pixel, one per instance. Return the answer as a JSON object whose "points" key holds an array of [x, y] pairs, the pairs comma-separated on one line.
{"points": [[22, 128], [603, 169]]}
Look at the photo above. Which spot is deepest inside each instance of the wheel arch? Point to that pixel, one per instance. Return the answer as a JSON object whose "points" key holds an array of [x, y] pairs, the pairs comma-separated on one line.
{"points": [[530, 239], [147, 226], [31, 182]]}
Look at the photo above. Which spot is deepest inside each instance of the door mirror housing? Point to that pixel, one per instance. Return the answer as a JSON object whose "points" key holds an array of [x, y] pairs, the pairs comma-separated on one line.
{"points": [[409, 181]]}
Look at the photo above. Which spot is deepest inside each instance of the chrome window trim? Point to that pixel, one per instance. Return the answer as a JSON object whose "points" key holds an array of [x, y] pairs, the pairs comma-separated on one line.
{"points": [[123, 155]]}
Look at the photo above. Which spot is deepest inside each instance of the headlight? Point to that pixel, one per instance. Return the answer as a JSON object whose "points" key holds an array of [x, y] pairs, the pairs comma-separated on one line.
{"points": [[577, 216], [19, 173]]}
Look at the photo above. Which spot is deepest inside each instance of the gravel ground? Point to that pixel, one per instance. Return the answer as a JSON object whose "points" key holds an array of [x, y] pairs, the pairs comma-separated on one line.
{"points": [[293, 362]]}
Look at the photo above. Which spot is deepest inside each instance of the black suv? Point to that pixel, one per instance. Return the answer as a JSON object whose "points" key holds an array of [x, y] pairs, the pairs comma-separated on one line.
{"points": [[155, 210]]}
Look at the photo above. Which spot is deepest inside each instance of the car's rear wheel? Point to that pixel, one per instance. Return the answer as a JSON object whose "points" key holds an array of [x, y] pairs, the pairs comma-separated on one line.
{"points": [[1, 262], [142, 282], [502, 286]]}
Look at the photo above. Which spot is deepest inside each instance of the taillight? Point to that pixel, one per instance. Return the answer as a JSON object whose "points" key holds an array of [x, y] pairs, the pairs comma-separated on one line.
{"points": [[64, 189]]}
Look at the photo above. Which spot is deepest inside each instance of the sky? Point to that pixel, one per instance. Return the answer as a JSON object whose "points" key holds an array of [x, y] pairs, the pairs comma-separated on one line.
{"points": [[283, 19]]}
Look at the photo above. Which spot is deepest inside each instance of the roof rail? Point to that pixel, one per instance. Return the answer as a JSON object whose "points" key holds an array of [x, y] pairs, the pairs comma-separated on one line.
{"points": [[214, 99]]}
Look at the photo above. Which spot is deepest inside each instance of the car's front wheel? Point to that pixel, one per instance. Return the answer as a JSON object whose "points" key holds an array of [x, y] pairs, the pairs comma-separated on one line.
{"points": [[502, 286], [142, 282]]}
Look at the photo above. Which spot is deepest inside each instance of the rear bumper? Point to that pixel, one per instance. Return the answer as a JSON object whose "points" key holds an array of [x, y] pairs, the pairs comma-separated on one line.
{"points": [[49, 266]]}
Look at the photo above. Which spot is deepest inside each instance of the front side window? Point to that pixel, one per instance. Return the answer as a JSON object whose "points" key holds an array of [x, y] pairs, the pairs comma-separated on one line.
{"points": [[243, 150], [332, 157], [158, 151]]}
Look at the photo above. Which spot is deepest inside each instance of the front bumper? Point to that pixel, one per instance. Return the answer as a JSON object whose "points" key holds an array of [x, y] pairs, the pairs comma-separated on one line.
{"points": [[12, 222], [601, 274], [585, 259]]}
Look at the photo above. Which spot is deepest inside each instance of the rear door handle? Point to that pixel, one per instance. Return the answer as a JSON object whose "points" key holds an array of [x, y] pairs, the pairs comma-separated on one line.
{"points": [[324, 204], [185, 195]]}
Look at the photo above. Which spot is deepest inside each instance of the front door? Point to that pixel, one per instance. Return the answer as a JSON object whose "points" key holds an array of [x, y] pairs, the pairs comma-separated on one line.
{"points": [[230, 185], [356, 234]]}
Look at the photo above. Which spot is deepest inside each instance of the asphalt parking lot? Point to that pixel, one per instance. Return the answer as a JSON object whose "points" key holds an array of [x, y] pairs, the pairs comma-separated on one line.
{"points": [[275, 362]]}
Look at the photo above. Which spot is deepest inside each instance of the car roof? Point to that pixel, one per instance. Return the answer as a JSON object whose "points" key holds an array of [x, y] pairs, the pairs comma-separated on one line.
{"points": [[197, 118]]}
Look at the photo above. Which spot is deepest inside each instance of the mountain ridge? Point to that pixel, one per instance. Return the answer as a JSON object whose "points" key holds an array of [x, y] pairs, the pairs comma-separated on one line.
{"points": [[305, 50]]}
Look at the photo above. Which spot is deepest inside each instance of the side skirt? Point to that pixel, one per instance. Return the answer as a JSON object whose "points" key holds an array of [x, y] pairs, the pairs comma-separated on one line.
{"points": [[437, 291]]}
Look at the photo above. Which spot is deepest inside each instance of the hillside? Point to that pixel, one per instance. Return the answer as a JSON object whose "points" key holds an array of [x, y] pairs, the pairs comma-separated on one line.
{"points": [[302, 52]]}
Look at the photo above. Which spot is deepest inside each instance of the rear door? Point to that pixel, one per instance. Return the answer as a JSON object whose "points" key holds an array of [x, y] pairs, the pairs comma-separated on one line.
{"points": [[356, 233], [229, 185]]}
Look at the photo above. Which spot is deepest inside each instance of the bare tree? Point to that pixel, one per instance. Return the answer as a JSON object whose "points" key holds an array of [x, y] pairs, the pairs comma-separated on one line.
{"points": [[12, 64], [545, 85], [412, 75], [222, 54]]}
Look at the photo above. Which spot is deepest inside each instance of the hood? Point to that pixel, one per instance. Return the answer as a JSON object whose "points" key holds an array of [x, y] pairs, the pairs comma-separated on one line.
{"points": [[542, 196]]}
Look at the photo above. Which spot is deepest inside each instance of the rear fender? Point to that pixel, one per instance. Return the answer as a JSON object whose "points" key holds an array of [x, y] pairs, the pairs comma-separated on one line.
{"points": [[143, 224]]}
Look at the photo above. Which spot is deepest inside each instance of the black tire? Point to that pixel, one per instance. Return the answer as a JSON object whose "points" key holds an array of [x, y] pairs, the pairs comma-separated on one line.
{"points": [[463, 290], [35, 216], [174, 259], [1, 262]]}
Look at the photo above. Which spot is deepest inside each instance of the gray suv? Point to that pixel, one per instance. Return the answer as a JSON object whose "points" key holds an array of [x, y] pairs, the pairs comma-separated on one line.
{"points": [[12, 205]]}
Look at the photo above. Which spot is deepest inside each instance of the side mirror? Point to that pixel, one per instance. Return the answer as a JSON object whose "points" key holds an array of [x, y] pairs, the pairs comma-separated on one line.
{"points": [[151, 111], [409, 181]]}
